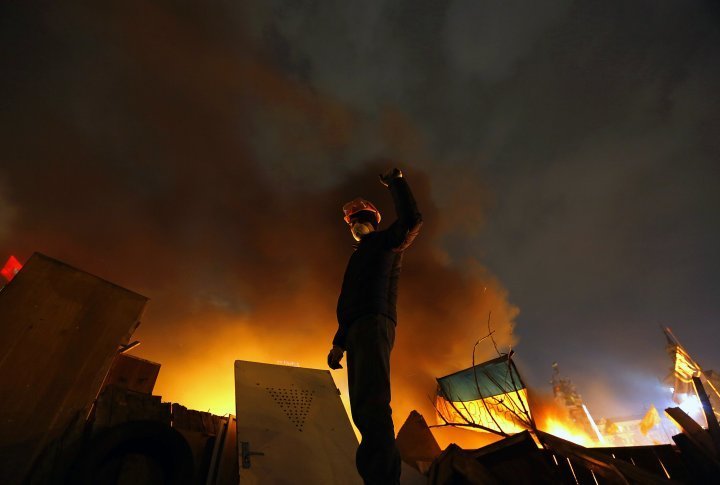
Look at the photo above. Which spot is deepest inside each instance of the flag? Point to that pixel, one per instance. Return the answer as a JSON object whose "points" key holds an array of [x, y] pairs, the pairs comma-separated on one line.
{"points": [[650, 420], [491, 395]]}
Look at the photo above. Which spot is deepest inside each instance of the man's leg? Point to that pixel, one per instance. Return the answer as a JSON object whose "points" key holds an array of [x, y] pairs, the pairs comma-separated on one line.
{"points": [[369, 342]]}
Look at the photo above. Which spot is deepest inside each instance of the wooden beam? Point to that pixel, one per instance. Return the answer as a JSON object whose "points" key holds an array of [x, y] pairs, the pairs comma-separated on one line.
{"points": [[616, 471], [699, 437], [415, 441], [713, 426]]}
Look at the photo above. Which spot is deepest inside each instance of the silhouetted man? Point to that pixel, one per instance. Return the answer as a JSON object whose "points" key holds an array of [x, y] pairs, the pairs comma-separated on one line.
{"points": [[366, 324]]}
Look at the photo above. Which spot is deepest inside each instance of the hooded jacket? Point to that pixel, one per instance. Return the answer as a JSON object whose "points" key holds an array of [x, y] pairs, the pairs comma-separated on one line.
{"points": [[370, 283]]}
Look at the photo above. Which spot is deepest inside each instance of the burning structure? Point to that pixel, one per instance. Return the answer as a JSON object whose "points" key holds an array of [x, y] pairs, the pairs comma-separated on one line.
{"points": [[567, 396], [681, 379]]}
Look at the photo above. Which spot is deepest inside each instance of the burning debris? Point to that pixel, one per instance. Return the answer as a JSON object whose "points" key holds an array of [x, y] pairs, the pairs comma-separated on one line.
{"points": [[682, 377], [567, 396]]}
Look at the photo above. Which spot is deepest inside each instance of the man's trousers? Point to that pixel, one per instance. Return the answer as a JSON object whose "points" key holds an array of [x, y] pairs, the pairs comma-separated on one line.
{"points": [[369, 342]]}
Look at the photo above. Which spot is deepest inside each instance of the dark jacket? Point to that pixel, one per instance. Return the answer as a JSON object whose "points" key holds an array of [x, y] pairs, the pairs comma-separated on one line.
{"points": [[371, 278]]}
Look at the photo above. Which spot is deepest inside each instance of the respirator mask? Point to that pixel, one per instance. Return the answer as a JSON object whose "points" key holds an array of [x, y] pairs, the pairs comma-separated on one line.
{"points": [[361, 229]]}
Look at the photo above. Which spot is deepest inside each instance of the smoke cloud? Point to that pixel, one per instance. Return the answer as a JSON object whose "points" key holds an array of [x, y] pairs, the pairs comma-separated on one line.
{"points": [[158, 148], [199, 154]]}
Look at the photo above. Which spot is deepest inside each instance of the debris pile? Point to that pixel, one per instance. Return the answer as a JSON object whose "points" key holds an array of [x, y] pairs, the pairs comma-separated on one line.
{"points": [[77, 408]]}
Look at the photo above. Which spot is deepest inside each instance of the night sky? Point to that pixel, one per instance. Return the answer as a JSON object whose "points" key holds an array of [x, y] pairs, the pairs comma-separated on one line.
{"points": [[565, 155]]}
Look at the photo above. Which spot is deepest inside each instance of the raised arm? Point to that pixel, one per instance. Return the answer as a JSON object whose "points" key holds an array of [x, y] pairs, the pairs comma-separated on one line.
{"points": [[403, 231]]}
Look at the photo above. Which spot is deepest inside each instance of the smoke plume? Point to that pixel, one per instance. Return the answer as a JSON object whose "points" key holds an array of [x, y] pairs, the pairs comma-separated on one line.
{"points": [[141, 145]]}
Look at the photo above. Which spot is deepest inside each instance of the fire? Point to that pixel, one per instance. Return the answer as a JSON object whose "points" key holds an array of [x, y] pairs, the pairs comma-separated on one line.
{"points": [[567, 431], [556, 420], [549, 417], [492, 413]]}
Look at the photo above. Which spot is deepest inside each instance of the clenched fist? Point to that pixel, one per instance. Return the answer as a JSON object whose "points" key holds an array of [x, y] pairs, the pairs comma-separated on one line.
{"points": [[334, 357], [386, 177]]}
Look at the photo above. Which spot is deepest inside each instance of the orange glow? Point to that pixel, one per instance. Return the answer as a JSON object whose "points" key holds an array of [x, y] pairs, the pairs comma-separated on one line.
{"points": [[549, 417], [566, 431], [200, 376], [554, 419], [489, 413]]}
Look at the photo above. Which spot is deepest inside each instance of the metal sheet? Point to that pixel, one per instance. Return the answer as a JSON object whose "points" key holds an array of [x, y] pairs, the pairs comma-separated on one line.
{"points": [[295, 418], [60, 329]]}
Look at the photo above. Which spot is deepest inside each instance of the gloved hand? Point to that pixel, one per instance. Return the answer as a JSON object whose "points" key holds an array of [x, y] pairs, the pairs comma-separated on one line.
{"points": [[386, 177], [334, 357]]}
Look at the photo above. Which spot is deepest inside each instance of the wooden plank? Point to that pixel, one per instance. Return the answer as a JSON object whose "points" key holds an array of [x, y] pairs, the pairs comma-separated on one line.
{"points": [[471, 471], [700, 438], [701, 468], [116, 405], [133, 373], [672, 462], [228, 472], [455, 465], [209, 423], [517, 458], [712, 422], [562, 467], [217, 453], [662, 460], [416, 442], [60, 329], [617, 471]]}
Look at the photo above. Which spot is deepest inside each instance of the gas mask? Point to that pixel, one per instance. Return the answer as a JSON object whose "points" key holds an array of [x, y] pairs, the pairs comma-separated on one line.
{"points": [[361, 229]]}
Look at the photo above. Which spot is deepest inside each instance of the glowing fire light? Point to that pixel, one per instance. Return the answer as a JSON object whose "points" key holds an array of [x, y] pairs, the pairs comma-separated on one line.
{"points": [[691, 404], [549, 418], [11, 268], [491, 413], [565, 431]]}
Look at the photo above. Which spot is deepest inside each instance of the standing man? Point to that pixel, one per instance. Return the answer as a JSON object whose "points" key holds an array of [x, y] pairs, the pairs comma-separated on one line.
{"points": [[366, 324]]}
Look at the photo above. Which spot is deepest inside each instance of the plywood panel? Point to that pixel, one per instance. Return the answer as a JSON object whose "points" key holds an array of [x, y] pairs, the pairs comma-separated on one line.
{"points": [[228, 473], [60, 329], [133, 373], [295, 418]]}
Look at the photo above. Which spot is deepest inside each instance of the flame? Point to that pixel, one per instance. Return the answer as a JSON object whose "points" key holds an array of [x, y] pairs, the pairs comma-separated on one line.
{"points": [[488, 412], [201, 376], [567, 431], [556, 420], [549, 417]]}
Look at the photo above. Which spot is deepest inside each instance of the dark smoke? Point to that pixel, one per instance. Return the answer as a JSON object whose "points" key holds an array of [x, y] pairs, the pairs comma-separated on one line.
{"points": [[131, 151], [199, 154]]}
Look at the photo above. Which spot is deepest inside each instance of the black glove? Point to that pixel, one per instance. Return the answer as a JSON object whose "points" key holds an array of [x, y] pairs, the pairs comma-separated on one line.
{"points": [[334, 357], [386, 177]]}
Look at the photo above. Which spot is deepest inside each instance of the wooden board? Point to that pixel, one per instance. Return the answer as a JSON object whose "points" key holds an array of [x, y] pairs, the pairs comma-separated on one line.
{"points": [[224, 465], [295, 418], [699, 436], [710, 418], [416, 442], [60, 329], [133, 373]]}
